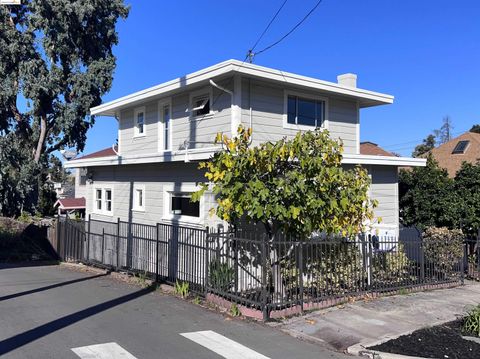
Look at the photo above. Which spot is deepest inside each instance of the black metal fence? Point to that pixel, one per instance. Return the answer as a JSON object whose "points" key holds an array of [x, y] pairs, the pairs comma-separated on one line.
{"points": [[246, 268]]}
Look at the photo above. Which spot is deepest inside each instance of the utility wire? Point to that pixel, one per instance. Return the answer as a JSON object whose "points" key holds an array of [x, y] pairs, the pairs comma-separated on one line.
{"points": [[413, 142], [291, 31], [250, 52]]}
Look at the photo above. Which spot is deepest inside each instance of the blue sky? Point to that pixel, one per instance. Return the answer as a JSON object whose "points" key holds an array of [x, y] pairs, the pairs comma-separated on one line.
{"points": [[425, 53]]}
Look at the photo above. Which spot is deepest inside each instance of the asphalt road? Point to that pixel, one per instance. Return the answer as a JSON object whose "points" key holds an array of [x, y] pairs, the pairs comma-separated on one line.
{"points": [[47, 311]]}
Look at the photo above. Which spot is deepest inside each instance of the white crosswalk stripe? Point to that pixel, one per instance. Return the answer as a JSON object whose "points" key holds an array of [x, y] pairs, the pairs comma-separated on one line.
{"points": [[103, 351], [223, 346]]}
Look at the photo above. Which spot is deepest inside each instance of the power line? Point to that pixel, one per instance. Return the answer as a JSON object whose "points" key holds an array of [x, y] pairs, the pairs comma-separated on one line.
{"points": [[291, 31], [413, 142], [250, 52]]}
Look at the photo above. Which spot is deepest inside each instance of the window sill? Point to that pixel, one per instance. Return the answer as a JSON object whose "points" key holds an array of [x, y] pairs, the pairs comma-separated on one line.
{"points": [[182, 219], [106, 214], [141, 210], [139, 136], [292, 126], [203, 117]]}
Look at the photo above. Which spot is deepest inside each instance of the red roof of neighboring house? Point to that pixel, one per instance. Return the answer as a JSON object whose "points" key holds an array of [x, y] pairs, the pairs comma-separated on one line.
{"points": [[71, 203], [372, 149], [102, 153]]}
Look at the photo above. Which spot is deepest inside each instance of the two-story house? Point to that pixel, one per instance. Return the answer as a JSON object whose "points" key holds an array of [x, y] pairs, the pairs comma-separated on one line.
{"points": [[165, 130]]}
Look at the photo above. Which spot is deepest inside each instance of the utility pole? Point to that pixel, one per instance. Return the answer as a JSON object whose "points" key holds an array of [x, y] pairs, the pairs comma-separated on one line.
{"points": [[250, 56]]}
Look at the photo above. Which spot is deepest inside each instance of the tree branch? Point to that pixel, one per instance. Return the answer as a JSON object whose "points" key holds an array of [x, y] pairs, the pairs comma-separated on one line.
{"points": [[41, 139]]}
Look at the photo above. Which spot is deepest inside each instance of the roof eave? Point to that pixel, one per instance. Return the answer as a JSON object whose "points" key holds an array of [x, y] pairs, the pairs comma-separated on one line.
{"points": [[365, 98]]}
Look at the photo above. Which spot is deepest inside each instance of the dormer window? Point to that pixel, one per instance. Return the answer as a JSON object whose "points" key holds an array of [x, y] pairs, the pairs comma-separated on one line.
{"points": [[460, 147], [140, 121]]}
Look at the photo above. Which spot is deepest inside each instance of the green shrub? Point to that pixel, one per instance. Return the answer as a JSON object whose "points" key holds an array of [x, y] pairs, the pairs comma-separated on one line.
{"points": [[220, 275], [391, 267], [443, 248], [471, 324], [332, 267], [182, 289], [235, 311]]}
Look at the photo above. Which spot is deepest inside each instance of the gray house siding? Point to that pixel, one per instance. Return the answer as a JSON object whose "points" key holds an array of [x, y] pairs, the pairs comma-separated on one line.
{"points": [[267, 106], [156, 179], [384, 189], [199, 132]]}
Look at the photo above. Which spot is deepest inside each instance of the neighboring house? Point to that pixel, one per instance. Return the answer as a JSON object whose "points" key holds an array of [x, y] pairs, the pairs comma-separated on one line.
{"points": [[64, 190], [451, 155], [165, 130], [71, 207], [372, 149]]}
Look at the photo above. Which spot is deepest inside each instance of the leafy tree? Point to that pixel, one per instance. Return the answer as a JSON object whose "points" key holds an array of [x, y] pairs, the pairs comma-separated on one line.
{"points": [[467, 189], [295, 186], [427, 145], [475, 128], [427, 197], [56, 57]]}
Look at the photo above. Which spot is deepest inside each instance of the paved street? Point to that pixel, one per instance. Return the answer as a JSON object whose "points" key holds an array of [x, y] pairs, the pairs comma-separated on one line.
{"points": [[54, 312]]}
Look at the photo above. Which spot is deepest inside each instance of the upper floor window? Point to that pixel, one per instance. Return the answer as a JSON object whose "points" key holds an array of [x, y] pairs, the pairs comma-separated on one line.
{"points": [[460, 147], [201, 103], [305, 111], [165, 125], [140, 121]]}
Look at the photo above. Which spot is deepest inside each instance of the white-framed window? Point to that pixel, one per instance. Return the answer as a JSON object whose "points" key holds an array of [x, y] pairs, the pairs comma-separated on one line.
{"points": [[103, 201], [139, 119], [98, 199], [304, 112], [165, 125], [139, 198], [178, 206], [201, 103]]}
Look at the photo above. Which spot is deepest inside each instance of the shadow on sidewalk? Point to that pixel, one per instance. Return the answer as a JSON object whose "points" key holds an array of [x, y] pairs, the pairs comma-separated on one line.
{"points": [[31, 335]]}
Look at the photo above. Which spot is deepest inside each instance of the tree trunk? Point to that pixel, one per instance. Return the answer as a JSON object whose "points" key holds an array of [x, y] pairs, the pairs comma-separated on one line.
{"points": [[41, 139]]}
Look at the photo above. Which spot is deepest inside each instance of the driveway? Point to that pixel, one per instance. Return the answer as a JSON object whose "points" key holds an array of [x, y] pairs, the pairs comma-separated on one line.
{"points": [[47, 311]]}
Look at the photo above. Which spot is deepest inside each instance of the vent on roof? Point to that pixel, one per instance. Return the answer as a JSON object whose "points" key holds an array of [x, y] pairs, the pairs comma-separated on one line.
{"points": [[460, 147]]}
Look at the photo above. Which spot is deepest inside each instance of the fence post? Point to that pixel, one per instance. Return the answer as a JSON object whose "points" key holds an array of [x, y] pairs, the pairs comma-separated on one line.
{"points": [[464, 260], [265, 311], [65, 239], [117, 245], [300, 267], [88, 237], [157, 244], [422, 262], [103, 245], [206, 258]]}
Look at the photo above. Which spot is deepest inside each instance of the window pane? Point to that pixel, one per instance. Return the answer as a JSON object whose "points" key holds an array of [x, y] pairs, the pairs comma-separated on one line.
{"points": [[140, 121], [166, 122], [291, 109], [460, 147], [306, 112], [108, 194], [109, 206], [183, 206], [99, 194], [320, 113], [205, 110], [139, 198]]}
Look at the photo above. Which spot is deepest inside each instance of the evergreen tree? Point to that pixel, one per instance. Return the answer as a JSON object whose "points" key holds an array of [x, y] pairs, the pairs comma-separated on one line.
{"points": [[57, 56]]}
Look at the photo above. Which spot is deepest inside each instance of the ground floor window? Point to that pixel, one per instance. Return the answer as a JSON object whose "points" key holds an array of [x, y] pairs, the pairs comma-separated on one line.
{"points": [[182, 205], [103, 201]]}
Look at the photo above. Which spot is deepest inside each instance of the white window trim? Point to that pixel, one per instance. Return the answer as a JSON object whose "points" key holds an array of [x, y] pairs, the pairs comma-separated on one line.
{"points": [[103, 211], [135, 206], [168, 190], [135, 113], [204, 91], [292, 126], [161, 126]]}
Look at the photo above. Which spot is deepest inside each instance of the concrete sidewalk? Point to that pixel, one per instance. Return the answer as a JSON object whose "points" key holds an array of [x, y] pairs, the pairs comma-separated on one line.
{"points": [[365, 323]]}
